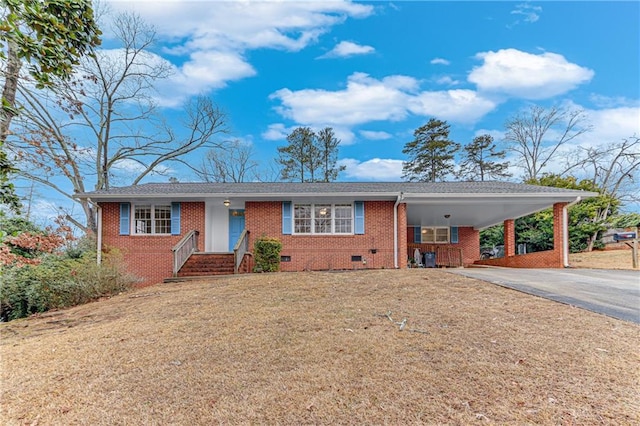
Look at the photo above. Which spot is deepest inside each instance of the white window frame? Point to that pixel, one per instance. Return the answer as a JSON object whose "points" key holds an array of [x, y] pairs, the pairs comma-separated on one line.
{"points": [[332, 207], [152, 207], [434, 229]]}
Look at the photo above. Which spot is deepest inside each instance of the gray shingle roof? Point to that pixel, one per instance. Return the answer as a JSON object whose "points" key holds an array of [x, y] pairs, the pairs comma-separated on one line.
{"points": [[291, 188]]}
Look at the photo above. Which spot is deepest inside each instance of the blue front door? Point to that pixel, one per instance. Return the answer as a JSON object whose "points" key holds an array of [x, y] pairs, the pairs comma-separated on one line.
{"points": [[236, 226]]}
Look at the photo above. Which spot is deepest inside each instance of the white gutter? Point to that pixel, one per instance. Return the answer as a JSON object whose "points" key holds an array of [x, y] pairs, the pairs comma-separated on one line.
{"points": [[395, 230], [565, 233], [99, 237]]}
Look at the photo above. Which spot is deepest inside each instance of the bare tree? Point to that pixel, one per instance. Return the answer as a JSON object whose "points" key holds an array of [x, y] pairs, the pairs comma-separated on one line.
{"points": [[536, 135], [231, 163], [615, 169], [111, 126]]}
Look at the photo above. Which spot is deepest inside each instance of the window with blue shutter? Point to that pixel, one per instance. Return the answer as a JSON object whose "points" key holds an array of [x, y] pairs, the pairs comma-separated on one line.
{"points": [[125, 218], [175, 218], [454, 235], [286, 218], [359, 217], [417, 237]]}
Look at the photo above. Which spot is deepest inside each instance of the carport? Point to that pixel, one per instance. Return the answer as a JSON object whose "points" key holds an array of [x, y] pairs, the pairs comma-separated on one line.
{"points": [[465, 205]]}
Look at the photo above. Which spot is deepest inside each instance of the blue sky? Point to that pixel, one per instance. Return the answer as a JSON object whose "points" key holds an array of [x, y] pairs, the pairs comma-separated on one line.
{"points": [[375, 71]]}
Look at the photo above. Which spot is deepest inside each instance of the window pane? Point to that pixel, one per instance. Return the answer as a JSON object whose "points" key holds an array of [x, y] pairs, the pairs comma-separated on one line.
{"points": [[428, 235], [142, 220], [302, 219], [322, 213], [162, 219], [343, 221], [442, 235]]}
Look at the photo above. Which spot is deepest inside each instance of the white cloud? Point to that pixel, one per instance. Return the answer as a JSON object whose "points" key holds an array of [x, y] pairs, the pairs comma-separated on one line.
{"points": [[375, 135], [365, 99], [447, 81], [611, 125], [279, 132], [602, 101], [204, 71], [530, 13], [276, 132], [376, 169], [463, 106], [439, 61], [211, 39], [498, 135], [345, 49], [520, 74]]}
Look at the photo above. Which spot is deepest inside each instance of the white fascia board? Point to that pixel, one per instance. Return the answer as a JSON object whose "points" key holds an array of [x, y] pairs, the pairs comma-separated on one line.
{"points": [[537, 196], [364, 196]]}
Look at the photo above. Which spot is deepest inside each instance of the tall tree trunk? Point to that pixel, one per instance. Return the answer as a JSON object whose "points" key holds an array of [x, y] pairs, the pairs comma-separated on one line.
{"points": [[8, 111]]}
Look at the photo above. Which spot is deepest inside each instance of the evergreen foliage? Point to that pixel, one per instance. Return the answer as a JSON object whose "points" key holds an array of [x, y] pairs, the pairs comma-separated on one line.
{"points": [[310, 156], [430, 154], [479, 160], [267, 254]]}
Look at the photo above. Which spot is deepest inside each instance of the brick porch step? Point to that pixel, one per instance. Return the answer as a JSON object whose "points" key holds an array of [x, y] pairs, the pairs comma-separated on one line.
{"points": [[203, 264]]}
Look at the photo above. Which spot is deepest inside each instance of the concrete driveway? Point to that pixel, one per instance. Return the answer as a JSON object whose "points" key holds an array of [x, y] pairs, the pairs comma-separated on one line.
{"points": [[615, 293]]}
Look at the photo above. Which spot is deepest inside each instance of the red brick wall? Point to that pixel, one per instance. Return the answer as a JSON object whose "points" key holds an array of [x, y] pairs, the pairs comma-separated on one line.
{"points": [[468, 242], [542, 259], [149, 257], [326, 252]]}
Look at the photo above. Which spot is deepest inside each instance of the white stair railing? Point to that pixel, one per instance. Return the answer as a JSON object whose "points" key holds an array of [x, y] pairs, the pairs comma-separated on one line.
{"points": [[240, 249], [185, 248]]}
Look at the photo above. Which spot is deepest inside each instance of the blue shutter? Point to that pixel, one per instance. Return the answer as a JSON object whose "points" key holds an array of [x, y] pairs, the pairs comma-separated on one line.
{"points": [[125, 217], [175, 218], [286, 217], [417, 236], [454, 234], [359, 217]]}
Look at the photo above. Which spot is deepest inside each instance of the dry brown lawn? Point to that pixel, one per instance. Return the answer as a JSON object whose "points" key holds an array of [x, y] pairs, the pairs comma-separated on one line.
{"points": [[607, 259], [318, 348]]}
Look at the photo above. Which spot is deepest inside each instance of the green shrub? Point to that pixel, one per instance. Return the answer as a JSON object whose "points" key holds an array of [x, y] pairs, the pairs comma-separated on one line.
{"points": [[267, 254], [58, 282]]}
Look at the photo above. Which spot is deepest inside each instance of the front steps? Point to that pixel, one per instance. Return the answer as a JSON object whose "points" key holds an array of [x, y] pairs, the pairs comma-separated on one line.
{"points": [[206, 264]]}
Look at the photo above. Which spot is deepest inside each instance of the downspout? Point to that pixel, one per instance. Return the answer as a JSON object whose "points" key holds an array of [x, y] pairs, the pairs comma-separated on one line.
{"points": [[99, 237], [565, 233], [395, 230]]}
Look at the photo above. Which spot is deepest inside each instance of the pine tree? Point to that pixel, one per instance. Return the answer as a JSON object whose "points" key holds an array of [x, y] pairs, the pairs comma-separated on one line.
{"points": [[478, 160], [430, 154], [328, 153], [310, 157], [295, 156]]}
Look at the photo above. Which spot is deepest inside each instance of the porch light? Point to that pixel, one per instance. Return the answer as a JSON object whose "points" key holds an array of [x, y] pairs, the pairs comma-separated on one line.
{"points": [[226, 203]]}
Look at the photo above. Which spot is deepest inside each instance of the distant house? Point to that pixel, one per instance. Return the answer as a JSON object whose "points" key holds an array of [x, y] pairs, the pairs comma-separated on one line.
{"points": [[169, 229]]}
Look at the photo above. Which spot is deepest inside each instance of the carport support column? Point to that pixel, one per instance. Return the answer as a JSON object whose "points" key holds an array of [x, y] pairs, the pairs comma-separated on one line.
{"points": [[509, 238], [560, 236]]}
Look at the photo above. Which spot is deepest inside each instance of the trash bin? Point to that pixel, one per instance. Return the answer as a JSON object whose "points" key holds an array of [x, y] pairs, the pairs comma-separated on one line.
{"points": [[429, 259]]}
